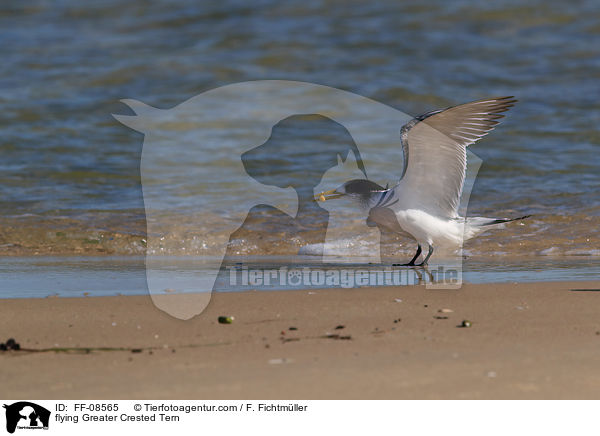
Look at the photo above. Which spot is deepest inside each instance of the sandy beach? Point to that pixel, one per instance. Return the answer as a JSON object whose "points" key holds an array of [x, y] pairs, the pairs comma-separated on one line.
{"points": [[526, 341]]}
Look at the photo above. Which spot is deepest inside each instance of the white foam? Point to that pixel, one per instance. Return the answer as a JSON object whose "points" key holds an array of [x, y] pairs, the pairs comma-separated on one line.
{"points": [[341, 247], [592, 252], [550, 251]]}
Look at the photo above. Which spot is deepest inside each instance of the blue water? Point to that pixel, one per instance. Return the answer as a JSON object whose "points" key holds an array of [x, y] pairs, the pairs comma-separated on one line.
{"points": [[66, 64], [70, 173]]}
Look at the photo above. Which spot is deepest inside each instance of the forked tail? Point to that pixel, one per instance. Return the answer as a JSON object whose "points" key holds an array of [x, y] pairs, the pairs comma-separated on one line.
{"points": [[478, 224], [479, 221]]}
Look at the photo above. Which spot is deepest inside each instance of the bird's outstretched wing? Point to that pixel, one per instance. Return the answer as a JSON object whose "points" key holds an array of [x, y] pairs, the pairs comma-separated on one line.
{"points": [[435, 155]]}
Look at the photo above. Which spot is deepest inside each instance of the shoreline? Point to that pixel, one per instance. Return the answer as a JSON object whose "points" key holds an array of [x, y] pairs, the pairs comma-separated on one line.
{"points": [[85, 276], [528, 340]]}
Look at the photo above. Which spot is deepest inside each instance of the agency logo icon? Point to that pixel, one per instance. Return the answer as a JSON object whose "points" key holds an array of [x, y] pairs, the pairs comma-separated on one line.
{"points": [[25, 415]]}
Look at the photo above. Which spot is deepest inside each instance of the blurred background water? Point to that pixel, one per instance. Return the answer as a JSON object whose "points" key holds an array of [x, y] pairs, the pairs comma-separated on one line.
{"points": [[70, 173]]}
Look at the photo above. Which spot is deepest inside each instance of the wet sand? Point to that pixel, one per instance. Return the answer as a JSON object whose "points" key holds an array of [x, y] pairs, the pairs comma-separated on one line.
{"points": [[537, 340]]}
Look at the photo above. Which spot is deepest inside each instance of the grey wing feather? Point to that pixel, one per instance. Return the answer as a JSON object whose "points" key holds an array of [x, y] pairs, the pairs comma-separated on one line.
{"points": [[434, 146]]}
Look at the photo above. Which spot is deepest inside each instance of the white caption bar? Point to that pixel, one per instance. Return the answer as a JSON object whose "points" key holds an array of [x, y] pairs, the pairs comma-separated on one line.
{"points": [[298, 417]]}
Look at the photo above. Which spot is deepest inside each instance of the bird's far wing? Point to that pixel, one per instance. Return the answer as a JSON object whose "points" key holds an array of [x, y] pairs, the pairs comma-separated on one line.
{"points": [[435, 155]]}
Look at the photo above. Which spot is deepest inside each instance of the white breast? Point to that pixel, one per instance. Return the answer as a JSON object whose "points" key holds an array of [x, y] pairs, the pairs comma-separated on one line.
{"points": [[426, 228]]}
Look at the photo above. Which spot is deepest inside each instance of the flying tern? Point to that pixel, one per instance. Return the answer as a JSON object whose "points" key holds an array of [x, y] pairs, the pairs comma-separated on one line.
{"points": [[424, 203]]}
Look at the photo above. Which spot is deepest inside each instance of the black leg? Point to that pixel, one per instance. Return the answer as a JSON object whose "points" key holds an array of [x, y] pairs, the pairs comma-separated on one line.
{"points": [[429, 253], [412, 261]]}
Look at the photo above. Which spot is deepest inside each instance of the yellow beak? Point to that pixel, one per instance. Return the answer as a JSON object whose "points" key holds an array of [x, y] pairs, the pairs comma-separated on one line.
{"points": [[328, 195]]}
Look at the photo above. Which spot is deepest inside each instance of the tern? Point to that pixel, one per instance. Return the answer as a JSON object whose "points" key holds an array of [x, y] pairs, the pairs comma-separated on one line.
{"points": [[424, 203]]}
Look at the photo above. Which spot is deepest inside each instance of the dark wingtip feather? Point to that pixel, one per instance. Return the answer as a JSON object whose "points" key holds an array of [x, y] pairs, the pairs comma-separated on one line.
{"points": [[506, 220], [504, 103]]}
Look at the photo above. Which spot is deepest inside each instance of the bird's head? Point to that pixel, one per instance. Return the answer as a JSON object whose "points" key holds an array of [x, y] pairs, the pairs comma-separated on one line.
{"points": [[357, 189]]}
